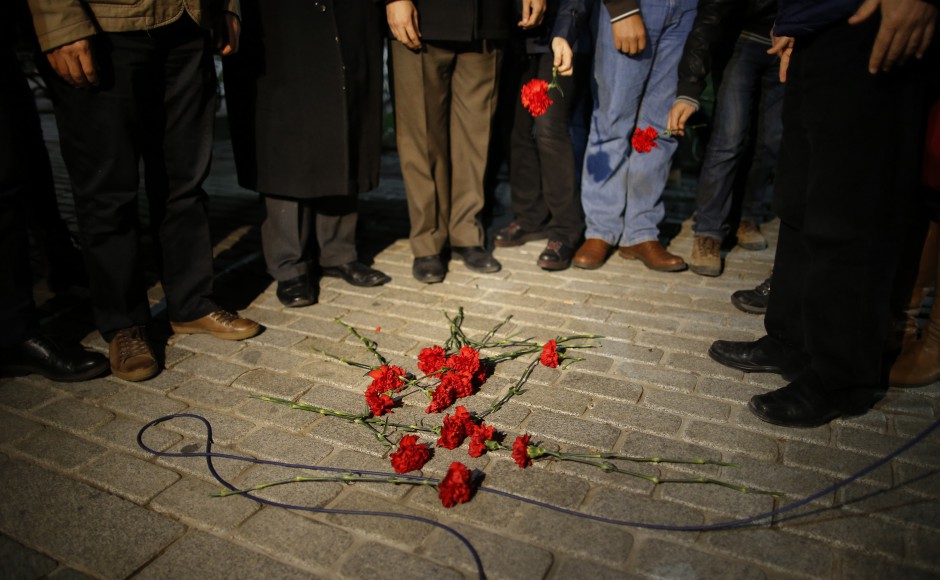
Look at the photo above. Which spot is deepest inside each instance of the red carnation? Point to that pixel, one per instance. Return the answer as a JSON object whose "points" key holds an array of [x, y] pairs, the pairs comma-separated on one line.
{"points": [[535, 97], [644, 140], [410, 455], [457, 382], [457, 485], [379, 404], [455, 428], [479, 435], [431, 359], [520, 451], [387, 378], [549, 356], [441, 398]]}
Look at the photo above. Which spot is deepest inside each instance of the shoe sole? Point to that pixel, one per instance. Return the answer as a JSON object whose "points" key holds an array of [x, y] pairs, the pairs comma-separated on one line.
{"points": [[489, 270], [753, 247], [553, 266], [731, 363], [523, 240], [710, 271], [92, 373], [378, 281], [819, 422], [631, 256], [588, 265], [138, 375], [220, 335], [430, 279], [745, 307]]}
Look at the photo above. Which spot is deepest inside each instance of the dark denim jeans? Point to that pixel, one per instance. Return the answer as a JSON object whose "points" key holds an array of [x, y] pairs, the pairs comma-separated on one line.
{"points": [[751, 79]]}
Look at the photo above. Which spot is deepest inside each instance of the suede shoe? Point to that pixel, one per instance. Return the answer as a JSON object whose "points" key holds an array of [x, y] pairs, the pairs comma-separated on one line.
{"points": [[706, 256], [476, 259], [805, 403], [131, 357], [766, 355], [296, 292], [556, 256], [220, 324], [753, 301], [515, 235], [428, 269], [42, 356], [654, 256], [749, 236], [357, 274], [592, 254]]}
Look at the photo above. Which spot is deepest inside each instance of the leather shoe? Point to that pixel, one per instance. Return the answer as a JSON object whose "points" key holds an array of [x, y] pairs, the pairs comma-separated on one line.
{"points": [[753, 301], [296, 292], [766, 355], [805, 403], [357, 274], [476, 259], [592, 254], [40, 355], [556, 256], [220, 324], [428, 269], [515, 235], [654, 256], [130, 355]]}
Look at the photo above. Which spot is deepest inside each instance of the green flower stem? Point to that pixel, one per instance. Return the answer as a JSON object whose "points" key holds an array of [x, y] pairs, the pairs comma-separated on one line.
{"points": [[344, 478], [378, 434], [515, 389], [351, 363], [554, 83], [351, 417], [495, 329], [370, 344], [643, 459]]}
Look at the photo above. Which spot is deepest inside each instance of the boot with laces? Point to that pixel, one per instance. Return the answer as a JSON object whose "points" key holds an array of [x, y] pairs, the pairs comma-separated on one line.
{"points": [[220, 324], [706, 256], [131, 357], [749, 236]]}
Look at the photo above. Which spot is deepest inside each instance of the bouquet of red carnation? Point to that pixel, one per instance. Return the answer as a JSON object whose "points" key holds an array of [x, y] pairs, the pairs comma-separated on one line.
{"points": [[535, 95]]}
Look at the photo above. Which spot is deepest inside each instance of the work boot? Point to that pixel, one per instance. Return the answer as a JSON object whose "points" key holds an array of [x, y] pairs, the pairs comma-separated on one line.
{"points": [[749, 236], [706, 256]]}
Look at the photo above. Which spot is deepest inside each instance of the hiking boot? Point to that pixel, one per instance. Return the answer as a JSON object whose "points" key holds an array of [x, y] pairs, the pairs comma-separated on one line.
{"points": [[749, 236], [706, 256]]}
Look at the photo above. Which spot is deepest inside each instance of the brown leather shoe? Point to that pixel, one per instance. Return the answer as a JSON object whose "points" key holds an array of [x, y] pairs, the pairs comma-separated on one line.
{"points": [[220, 324], [130, 355], [654, 256], [592, 254]]}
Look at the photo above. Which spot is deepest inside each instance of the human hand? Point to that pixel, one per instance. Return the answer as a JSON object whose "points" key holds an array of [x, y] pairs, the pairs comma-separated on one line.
{"points": [[403, 22], [564, 56], [678, 115], [74, 63], [906, 29], [782, 47], [228, 31], [533, 11], [630, 35]]}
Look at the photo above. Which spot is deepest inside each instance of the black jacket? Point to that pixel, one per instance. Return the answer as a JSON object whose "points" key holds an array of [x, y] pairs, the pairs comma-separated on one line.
{"points": [[465, 20], [716, 22]]}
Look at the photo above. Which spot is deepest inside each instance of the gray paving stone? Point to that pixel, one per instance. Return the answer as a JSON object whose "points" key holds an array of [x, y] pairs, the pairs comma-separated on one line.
{"points": [[205, 344], [142, 404], [128, 477], [276, 445], [867, 566], [730, 439], [406, 532], [879, 444], [922, 549], [646, 445], [774, 549], [728, 390], [354, 461], [270, 358], [276, 415], [268, 317], [189, 500], [670, 379], [743, 418], [273, 337], [371, 560], [600, 385], [722, 504], [566, 568], [711, 332], [502, 557], [212, 368], [700, 364], [658, 559], [342, 434], [571, 430], [226, 429], [634, 508], [619, 349], [306, 494], [836, 463], [685, 403], [896, 504], [172, 357], [18, 561], [644, 321], [845, 529], [537, 482], [562, 533], [200, 555], [166, 381], [634, 417], [93, 390], [72, 522], [204, 393], [345, 400], [14, 428], [915, 479], [310, 543], [265, 382], [906, 426], [54, 447], [671, 342], [555, 399], [122, 433], [17, 393], [335, 373], [196, 466]]}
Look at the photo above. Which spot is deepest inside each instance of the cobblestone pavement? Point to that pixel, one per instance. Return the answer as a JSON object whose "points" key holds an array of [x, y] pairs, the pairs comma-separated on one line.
{"points": [[80, 498]]}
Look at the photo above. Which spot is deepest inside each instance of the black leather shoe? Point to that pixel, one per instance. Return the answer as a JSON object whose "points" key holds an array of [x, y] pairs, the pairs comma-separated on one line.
{"points": [[357, 274], [805, 403], [477, 259], [296, 292], [753, 301], [556, 256], [40, 355], [428, 269], [766, 355], [515, 235]]}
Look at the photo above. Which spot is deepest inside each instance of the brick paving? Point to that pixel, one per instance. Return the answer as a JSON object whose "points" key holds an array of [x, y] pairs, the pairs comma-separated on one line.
{"points": [[80, 499]]}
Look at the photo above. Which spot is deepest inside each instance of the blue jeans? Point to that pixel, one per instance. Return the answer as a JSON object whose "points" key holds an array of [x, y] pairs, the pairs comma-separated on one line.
{"points": [[621, 191], [751, 79]]}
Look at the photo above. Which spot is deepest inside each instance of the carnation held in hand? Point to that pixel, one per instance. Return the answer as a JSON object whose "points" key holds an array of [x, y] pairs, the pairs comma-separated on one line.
{"points": [[535, 97]]}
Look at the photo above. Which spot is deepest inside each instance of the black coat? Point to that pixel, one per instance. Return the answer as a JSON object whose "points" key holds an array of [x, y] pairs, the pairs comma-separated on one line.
{"points": [[464, 20], [304, 97]]}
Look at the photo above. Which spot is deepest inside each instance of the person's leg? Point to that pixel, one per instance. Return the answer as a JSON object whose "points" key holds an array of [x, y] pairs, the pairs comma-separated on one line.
{"points": [[335, 227], [422, 128], [528, 204], [760, 179], [284, 235]]}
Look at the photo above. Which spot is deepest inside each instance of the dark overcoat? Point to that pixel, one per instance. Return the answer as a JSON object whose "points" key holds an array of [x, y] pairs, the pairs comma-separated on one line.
{"points": [[464, 20], [304, 96]]}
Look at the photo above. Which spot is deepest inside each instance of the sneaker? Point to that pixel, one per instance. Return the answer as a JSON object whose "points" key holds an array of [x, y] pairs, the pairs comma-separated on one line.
{"points": [[220, 324], [753, 301], [515, 235], [556, 256], [749, 236], [131, 357], [706, 256]]}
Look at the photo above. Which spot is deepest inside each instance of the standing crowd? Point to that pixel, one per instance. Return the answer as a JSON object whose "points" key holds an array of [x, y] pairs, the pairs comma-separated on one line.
{"points": [[820, 105]]}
